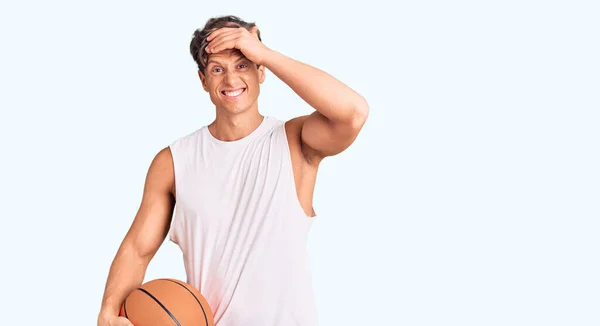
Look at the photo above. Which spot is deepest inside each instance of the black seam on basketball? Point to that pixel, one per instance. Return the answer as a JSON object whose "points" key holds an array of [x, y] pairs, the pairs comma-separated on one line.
{"points": [[197, 300], [163, 306]]}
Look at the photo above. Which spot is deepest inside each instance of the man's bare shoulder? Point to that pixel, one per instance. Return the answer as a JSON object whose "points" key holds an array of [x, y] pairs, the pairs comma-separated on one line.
{"points": [[163, 160], [293, 128], [161, 172]]}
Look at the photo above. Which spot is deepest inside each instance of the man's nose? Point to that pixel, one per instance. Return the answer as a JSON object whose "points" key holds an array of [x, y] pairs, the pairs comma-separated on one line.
{"points": [[230, 76]]}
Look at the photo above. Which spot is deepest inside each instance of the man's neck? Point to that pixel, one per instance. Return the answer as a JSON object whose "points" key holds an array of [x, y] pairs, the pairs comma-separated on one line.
{"points": [[227, 127]]}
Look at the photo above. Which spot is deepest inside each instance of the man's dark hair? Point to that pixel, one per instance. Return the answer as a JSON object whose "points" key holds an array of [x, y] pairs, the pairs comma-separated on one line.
{"points": [[198, 43]]}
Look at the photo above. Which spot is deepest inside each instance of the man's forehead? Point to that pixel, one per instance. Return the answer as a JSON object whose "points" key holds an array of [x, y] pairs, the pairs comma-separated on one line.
{"points": [[229, 54]]}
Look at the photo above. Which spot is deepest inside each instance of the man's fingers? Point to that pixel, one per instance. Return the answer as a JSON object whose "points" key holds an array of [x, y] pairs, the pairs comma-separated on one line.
{"points": [[223, 30], [121, 321], [228, 38], [222, 38], [220, 46]]}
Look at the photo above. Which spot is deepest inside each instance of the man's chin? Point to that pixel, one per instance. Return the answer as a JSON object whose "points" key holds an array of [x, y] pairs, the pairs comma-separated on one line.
{"points": [[234, 109]]}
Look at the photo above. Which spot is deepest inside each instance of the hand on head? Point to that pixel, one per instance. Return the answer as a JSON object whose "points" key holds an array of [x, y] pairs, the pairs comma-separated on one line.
{"points": [[238, 38]]}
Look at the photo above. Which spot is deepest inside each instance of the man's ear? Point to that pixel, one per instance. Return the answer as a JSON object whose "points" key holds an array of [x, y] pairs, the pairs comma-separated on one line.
{"points": [[202, 80], [261, 74]]}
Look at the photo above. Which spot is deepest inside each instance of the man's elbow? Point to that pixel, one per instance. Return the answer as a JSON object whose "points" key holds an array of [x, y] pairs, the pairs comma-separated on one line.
{"points": [[360, 113]]}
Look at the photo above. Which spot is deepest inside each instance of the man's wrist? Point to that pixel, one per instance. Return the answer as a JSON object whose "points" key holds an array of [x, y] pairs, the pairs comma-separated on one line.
{"points": [[269, 56], [106, 314]]}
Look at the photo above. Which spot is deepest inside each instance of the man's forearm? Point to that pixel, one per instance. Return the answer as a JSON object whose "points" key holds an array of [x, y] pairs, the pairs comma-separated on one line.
{"points": [[126, 273], [323, 92]]}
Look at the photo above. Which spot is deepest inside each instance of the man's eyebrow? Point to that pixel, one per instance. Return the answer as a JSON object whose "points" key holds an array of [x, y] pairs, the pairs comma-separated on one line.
{"points": [[240, 58], [212, 61]]}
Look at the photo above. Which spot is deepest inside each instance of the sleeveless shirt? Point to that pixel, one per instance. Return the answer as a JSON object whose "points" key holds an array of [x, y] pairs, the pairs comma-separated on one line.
{"points": [[241, 228]]}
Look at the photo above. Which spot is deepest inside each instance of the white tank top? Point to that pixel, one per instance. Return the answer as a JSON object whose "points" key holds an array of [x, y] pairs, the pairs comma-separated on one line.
{"points": [[241, 228]]}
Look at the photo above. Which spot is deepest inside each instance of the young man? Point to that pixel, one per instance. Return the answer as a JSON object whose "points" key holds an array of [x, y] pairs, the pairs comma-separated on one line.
{"points": [[241, 187]]}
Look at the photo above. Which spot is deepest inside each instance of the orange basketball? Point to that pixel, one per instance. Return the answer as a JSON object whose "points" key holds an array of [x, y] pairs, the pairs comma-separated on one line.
{"points": [[166, 301]]}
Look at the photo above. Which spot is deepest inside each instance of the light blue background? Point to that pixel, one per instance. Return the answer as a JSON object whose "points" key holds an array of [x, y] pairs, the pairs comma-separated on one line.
{"points": [[472, 197]]}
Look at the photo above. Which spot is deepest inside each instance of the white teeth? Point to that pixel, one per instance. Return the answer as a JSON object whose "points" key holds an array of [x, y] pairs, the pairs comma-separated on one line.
{"points": [[236, 93]]}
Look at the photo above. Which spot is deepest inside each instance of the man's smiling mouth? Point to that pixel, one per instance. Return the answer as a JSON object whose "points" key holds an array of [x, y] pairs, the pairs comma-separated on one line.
{"points": [[234, 92]]}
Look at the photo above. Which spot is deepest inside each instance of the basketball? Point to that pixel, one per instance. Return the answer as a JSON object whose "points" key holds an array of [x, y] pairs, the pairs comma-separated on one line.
{"points": [[167, 301]]}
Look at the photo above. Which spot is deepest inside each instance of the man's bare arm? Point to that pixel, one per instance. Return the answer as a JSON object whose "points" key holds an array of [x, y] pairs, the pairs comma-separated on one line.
{"points": [[143, 239], [340, 111]]}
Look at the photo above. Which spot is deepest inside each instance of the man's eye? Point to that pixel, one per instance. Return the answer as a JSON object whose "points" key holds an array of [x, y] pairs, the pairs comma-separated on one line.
{"points": [[216, 70], [243, 65]]}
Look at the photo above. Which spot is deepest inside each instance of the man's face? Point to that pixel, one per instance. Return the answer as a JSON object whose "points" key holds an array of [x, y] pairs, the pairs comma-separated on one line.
{"points": [[232, 81]]}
